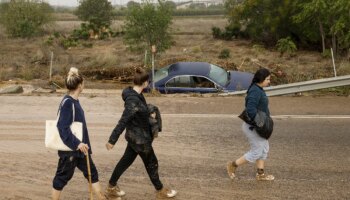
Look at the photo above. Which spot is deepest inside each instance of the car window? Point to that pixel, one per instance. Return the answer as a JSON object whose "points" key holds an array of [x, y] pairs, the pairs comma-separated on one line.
{"points": [[161, 73], [218, 74], [202, 82], [179, 81]]}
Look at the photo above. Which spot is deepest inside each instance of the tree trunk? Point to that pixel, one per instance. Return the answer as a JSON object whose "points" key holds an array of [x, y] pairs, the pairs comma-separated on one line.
{"points": [[322, 35], [334, 44]]}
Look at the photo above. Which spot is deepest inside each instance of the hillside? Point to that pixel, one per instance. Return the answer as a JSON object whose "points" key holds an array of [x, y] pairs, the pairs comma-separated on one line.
{"points": [[27, 59]]}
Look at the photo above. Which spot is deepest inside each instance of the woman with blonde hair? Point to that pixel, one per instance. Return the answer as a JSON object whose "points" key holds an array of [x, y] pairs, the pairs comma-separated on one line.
{"points": [[69, 160]]}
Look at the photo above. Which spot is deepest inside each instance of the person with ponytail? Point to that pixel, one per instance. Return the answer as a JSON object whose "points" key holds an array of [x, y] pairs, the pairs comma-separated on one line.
{"points": [[69, 160], [135, 119], [256, 99]]}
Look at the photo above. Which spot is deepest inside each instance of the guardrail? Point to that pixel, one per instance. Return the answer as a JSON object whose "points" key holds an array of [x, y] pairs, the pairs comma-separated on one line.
{"points": [[300, 86]]}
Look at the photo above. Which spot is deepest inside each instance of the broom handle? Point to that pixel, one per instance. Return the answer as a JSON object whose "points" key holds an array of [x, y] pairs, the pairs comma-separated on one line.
{"points": [[89, 175]]}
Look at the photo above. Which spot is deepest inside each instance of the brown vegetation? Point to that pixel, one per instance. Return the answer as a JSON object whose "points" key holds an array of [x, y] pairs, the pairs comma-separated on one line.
{"points": [[110, 59]]}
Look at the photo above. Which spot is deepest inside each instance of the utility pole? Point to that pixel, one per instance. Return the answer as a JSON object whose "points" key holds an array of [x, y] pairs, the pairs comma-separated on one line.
{"points": [[154, 50]]}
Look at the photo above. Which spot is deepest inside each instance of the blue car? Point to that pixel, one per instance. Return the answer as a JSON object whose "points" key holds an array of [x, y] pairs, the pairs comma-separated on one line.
{"points": [[199, 77]]}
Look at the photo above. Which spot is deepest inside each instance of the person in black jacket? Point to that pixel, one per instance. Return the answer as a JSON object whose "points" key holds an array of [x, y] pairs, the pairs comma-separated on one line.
{"points": [[135, 119], [69, 160]]}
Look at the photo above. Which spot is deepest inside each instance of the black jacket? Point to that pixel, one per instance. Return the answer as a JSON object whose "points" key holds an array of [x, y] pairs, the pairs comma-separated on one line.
{"points": [[135, 119], [156, 123]]}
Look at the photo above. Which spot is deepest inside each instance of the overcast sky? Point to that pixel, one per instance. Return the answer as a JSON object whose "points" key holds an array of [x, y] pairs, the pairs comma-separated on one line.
{"points": [[75, 2]]}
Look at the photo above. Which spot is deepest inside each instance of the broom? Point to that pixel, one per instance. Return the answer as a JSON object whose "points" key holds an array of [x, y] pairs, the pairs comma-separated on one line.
{"points": [[89, 175]]}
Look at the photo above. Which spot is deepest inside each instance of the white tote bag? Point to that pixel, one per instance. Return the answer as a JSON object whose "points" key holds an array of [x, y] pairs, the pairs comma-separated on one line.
{"points": [[52, 136]]}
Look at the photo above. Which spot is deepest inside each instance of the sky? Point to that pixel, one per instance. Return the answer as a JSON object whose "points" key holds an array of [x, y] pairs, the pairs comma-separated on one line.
{"points": [[75, 2]]}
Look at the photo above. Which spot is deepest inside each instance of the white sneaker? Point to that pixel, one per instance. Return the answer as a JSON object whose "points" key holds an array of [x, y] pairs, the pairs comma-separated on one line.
{"points": [[114, 191], [166, 193]]}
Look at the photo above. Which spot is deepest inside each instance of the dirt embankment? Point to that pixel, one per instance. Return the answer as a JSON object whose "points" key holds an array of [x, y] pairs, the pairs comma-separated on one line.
{"points": [[29, 59]]}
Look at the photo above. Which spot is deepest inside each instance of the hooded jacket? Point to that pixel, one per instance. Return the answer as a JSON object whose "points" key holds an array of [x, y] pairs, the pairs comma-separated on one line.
{"points": [[135, 119]]}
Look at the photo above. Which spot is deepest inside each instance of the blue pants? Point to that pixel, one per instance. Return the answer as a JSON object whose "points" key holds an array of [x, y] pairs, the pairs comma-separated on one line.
{"points": [[66, 167], [259, 147]]}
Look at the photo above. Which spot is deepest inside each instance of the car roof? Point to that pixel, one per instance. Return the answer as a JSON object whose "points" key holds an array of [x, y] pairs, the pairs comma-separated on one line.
{"points": [[189, 68]]}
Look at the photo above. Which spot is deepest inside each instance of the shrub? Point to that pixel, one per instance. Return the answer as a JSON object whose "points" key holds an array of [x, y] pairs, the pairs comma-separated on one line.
{"points": [[230, 32], [23, 18], [66, 43], [286, 45], [224, 54], [216, 32]]}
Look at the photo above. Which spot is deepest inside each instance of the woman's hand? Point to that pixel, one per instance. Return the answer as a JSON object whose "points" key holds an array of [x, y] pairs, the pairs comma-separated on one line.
{"points": [[84, 148], [109, 146]]}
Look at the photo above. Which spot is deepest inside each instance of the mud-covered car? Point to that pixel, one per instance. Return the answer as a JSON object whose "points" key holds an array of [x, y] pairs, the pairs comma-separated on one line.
{"points": [[198, 77]]}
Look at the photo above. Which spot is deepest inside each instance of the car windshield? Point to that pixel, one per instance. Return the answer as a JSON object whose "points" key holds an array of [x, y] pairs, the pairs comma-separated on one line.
{"points": [[161, 73], [218, 74]]}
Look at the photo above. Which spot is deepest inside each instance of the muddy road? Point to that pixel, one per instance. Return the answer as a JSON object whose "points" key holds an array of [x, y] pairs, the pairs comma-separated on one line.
{"points": [[309, 149]]}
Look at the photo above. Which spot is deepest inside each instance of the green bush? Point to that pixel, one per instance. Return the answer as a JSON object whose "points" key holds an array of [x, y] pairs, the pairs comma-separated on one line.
{"points": [[23, 18], [216, 32], [56, 34], [225, 53], [66, 43], [286, 45], [230, 32]]}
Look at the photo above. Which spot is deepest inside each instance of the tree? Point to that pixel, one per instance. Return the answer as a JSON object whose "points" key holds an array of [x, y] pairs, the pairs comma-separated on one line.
{"points": [[307, 22], [340, 28], [131, 4], [263, 20], [315, 12], [98, 12], [171, 5], [24, 18], [148, 25], [332, 18]]}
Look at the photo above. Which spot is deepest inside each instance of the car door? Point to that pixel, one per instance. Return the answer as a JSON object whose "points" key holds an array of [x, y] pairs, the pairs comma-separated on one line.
{"points": [[179, 84]]}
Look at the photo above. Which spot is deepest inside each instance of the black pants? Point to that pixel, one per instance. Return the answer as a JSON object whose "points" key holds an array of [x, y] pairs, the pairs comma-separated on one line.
{"points": [[66, 167], [149, 160]]}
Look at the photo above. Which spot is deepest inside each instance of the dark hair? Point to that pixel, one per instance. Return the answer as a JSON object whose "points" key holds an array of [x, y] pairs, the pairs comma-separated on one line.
{"points": [[73, 79], [259, 76], [140, 76]]}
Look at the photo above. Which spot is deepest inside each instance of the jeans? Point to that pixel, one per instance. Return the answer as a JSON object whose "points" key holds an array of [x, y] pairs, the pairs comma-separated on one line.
{"points": [[149, 160]]}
